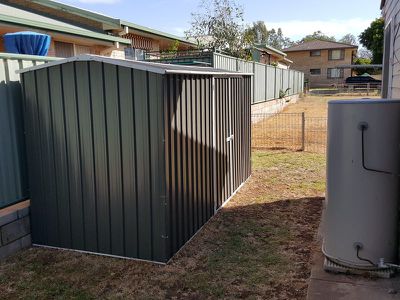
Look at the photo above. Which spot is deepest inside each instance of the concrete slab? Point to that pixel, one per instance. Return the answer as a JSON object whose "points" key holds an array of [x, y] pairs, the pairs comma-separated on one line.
{"points": [[325, 285], [335, 286]]}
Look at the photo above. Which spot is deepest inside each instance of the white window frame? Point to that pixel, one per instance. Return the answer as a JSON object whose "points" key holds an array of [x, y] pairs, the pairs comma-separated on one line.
{"points": [[339, 73]]}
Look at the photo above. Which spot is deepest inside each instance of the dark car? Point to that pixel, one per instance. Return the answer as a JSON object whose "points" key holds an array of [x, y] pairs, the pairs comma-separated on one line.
{"points": [[362, 81]]}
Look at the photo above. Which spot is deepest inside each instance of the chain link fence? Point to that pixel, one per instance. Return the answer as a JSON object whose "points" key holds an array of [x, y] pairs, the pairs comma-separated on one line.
{"points": [[292, 131]]}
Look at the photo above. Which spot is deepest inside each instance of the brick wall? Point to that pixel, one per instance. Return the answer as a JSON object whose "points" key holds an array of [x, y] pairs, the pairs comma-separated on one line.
{"points": [[302, 61], [14, 229]]}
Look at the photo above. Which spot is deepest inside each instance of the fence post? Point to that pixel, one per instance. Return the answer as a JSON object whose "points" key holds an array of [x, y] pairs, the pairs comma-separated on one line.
{"points": [[275, 97], [266, 82], [303, 131], [254, 81]]}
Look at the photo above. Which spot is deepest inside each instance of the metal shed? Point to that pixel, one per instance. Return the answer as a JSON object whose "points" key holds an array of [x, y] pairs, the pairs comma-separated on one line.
{"points": [[131, 158]]}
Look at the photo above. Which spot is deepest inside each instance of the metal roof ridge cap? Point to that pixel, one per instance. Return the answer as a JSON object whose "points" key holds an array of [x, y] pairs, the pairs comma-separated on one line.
{"points": [[177, 71], [89, 57]]}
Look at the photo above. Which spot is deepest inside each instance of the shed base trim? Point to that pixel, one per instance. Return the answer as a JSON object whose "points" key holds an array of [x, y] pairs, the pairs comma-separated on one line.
{"points": [[100, 254]]}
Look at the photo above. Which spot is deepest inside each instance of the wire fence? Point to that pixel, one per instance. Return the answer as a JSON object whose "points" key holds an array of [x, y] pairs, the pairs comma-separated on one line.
{"points": [[359, 89], [292, 131]]}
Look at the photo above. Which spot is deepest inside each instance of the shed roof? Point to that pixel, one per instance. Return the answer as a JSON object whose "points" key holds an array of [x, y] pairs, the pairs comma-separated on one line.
{"points": [[140, 65], [318, 45]]}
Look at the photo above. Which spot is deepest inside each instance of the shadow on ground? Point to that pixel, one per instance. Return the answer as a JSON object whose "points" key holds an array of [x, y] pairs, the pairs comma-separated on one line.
{"points": [[259, 250]]}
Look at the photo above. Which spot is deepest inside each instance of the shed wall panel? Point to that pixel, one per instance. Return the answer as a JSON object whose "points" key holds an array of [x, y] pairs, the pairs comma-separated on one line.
{"points": [[97, 154], [132, 157]]}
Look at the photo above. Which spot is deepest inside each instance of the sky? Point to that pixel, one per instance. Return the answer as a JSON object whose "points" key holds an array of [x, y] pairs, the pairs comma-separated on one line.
{"points": [[297, 18]]}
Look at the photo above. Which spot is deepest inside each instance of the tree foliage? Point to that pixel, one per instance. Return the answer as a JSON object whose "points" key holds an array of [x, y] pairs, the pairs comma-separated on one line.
{"points": [[349, 39], [363, 61], [317, 35], [277, 40], [259, 34], [372, 39], [219, 24], [364, 53]]}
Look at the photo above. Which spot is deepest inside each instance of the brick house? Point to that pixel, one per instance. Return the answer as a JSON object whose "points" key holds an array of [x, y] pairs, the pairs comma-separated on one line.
{"points": [[268, 55], [321, 60], [77, 31]]}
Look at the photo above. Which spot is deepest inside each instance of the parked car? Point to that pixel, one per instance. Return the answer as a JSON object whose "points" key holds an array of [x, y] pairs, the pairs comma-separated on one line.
{"points": [[362, 81]]}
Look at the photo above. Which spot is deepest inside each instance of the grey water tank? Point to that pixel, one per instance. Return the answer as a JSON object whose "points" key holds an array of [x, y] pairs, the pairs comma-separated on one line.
{"points": [[362, 194]]}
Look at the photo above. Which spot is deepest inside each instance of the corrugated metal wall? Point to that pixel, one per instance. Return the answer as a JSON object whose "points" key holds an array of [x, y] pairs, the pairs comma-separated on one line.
{"points": [[199, 177], [267, 80], [123, 161], [226, 62], [233, 135], [96, 159], [189, 155], [260, 86], [13, 177]]}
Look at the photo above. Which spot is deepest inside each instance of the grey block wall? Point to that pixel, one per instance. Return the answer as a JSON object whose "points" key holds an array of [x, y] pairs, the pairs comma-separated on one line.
{"points": [[14, 230]]}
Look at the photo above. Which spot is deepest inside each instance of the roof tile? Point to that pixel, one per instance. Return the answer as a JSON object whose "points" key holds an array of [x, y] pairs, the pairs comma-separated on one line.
{"points": [[318, 45]]}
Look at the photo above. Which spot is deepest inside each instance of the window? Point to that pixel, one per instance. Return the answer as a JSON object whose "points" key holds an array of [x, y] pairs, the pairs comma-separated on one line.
{"points": [[336, 54], [315, 71], [134, 54], [335, 73], [63, 49], [315, 53]]}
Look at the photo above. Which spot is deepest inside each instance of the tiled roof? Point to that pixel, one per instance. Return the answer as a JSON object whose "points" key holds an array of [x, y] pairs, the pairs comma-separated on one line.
{"points": [[318, 45]]}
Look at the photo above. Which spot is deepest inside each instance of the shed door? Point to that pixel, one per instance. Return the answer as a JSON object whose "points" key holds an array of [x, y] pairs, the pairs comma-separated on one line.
{"points": [[224, 139], [232, 132]]}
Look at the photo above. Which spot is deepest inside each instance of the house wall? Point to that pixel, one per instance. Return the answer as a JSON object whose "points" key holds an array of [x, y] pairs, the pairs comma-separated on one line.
{"points": [[302, 61], [391, 14]]}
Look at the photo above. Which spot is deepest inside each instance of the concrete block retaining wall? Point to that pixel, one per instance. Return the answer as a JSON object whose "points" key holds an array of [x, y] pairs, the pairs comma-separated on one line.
{"points": [[271, 107], [15, 231]]}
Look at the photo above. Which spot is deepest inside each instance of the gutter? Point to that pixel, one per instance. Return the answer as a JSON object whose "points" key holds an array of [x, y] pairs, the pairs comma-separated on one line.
{"points": [[57, 28], [144, 29], [80, 12]]}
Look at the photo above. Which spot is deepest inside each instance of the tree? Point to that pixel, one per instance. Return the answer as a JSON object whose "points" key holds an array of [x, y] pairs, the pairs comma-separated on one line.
{"points": [[349, 39], [364, 53], [277, 40], [257, 33], [372, 39], [317, 35], [219, 24], [363, 61]]}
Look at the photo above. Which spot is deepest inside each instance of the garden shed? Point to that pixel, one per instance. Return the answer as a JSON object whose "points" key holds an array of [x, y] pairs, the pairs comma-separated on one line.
{"points": [[131, 158]]}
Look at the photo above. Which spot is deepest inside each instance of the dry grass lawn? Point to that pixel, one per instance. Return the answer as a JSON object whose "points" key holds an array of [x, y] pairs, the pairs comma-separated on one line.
{"points": [[284, 131], [317, 106], [259, 247]]}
